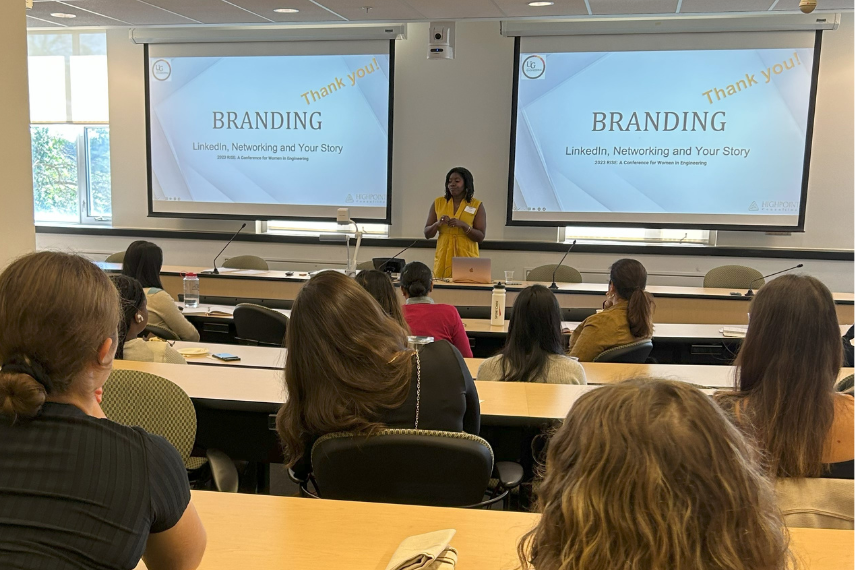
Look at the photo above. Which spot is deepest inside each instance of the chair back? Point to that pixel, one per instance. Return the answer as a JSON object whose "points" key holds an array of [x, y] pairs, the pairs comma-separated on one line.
{"points": [[632, 353], [246, 262], [405, 466], [117, 257], [816, 502], [477, 312], [365, 266], [257, 325], [135, 398], [846, 385], [733, 277], [161, 332], [564, 274]]}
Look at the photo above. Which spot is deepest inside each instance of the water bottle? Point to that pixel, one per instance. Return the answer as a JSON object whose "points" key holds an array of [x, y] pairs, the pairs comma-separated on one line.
{"points": [[497, 311], [191, 290]]}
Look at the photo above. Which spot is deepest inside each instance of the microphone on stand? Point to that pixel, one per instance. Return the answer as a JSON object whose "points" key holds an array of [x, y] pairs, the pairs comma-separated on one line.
{"points": [[383, 265], [750, 293], [216, 271], [572, 245]]}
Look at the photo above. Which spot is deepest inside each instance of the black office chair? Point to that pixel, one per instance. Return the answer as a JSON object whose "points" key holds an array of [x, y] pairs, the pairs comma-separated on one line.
{"points": [[632, 353], [408, 466], [846, 385], [161, 332], [576, 314], [259, 326]]}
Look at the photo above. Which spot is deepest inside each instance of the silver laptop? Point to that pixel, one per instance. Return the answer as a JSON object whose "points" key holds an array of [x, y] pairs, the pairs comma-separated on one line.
{"points": [[470, 270]]}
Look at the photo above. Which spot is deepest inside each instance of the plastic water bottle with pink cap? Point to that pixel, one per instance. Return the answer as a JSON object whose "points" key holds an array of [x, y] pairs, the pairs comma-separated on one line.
{"points": [[191, 290]]}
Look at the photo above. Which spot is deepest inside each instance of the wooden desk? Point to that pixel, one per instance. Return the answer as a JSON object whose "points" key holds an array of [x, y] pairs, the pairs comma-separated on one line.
{"points": [[250, 356], [288, 532], [673, 304]]}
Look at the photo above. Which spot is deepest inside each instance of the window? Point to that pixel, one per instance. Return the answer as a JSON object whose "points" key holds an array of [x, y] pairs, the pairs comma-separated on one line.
{"points": [[69, 126], [640, 235]]}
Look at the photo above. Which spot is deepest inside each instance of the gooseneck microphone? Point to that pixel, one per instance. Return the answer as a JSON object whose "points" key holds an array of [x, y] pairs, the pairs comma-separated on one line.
{"points": [[383, 265], [215, 270], [554, 271], [750, 292]]}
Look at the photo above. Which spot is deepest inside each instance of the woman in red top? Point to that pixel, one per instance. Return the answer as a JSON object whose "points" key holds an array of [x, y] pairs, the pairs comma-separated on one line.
{"points": [[427, 318]]}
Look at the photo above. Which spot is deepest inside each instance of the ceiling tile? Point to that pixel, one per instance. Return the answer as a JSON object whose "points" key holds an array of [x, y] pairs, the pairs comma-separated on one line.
{"points": [[39, 23], [308, 12], [611, 7], [135, 12], [520, 8], [456, 9], [210, 11], [43, 10], [705, 6], [793, 5], [381, 10]]}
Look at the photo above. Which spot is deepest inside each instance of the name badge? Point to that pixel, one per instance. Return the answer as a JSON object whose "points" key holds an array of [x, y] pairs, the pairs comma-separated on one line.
{"points": [[469, 210]]}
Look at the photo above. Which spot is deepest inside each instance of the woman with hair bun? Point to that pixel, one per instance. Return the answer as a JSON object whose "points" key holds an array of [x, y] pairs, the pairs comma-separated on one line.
{"points": [[77, 490], [627, 314], [427, 318]]}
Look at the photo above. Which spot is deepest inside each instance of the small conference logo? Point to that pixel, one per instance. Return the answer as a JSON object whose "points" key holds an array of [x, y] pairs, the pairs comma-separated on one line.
{"points": [[161, 70], [753, 207], [533, 67], [349, 199]]}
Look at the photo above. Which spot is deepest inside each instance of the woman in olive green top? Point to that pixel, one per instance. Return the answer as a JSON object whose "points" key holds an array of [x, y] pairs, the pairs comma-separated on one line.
{"points": [[627, 314]]}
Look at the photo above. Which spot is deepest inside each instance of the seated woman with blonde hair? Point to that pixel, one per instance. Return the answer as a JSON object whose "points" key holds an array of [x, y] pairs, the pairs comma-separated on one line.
{"points": [[651, 475]]}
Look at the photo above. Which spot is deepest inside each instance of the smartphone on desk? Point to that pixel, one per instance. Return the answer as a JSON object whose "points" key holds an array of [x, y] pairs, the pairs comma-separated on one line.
{"points": [[226, 357]]}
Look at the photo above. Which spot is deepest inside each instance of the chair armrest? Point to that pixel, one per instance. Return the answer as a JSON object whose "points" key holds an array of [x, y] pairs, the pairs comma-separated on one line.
{"points": [[223, 471], [296, 478], [510, 474]]}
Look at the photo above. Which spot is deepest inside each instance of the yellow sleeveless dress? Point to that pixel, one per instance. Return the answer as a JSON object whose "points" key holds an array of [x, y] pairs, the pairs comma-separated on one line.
{"points": [[453, 242]]}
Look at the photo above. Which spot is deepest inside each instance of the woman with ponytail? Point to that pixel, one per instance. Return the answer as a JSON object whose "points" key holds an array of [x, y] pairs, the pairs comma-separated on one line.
{"points": [[77, 490], [627, 314]]}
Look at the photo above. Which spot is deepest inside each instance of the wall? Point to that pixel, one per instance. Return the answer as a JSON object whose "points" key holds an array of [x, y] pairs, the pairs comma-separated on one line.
{"points": [[458, 112], [16, 173]]}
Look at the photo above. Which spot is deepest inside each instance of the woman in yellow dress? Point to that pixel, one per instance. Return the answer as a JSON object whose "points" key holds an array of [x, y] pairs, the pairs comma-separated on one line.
{"points": [[460, 220]]}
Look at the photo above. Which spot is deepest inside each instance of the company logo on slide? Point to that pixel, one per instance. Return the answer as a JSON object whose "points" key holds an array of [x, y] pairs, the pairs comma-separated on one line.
{"points": [[161, 70], [533, 67], [349, 199], [753, 207]]}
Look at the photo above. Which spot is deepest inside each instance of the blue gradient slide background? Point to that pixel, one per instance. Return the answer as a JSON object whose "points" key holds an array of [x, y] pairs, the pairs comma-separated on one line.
{"points": [[355, 117], [555, 112]]}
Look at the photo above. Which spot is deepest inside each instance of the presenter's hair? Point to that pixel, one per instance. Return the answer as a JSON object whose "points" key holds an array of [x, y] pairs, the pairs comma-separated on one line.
{"points": [[416, 279], [143, 261], [630, 278], [379, 285], [534, 333], [131, 296], [651, 474], [468, 182], [56, 310], [347, 363], [786, 368]]}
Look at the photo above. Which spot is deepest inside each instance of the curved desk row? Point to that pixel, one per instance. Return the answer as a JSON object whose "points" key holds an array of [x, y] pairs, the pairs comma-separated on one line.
{"points": [[673, 304]]}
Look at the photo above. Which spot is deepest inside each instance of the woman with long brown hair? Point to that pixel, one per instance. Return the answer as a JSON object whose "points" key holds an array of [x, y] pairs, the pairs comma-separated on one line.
{"points": [[627, 314], [379, 285], [650, 474], [784, 395], [77, 490], [349, 369]]}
